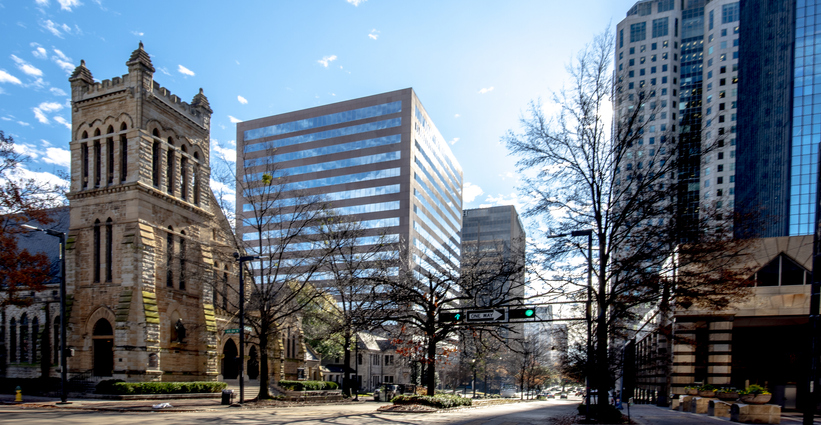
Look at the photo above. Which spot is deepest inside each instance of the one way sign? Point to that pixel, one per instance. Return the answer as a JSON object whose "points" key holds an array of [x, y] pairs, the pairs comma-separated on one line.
{"points": [[494, 315]]}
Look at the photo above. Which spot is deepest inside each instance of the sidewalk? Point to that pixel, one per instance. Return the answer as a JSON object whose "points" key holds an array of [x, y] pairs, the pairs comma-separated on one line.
{"points": [[647, 414]]}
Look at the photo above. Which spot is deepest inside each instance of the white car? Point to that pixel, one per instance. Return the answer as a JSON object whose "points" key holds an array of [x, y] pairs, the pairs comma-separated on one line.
{"points": [[508, 392]]}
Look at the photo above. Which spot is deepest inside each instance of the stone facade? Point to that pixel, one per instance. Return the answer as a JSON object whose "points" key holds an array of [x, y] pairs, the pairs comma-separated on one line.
{"points": [[146, 240]]}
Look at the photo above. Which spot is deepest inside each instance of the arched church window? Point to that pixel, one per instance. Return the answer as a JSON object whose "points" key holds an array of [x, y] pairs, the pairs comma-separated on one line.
{"points": [[24, 338], [196, 177], [155, 161], [182, 261], [153, 361], [184, 178], [123, 158], [169, 272], [170, 171], [109, 142], [96, 253], [98, 162], [109, 249], [84, 160], [13, 342], [156, 133]]}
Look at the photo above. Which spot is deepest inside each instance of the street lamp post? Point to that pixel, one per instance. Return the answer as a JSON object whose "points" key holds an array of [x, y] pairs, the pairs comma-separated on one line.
{"points": [[588, 310], [63, 367], [356, 378], [242, 260]]}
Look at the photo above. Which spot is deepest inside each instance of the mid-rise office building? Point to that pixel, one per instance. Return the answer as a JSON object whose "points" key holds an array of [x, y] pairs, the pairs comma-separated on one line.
{"points": [[499, 232], [681, 59], [780, 105], [378, 160]]}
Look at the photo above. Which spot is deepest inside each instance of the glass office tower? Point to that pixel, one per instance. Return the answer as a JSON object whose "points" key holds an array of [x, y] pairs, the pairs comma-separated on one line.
{"points": [[378, 160], [780, 106]]}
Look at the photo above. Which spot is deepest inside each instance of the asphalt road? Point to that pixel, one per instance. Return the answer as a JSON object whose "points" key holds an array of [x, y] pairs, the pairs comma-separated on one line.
{"points": [[537, 412]]}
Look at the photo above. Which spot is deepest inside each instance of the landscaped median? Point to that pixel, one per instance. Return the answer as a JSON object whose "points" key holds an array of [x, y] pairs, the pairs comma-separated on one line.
{"points": [[115, 389], [318, 391], [424, 403]]}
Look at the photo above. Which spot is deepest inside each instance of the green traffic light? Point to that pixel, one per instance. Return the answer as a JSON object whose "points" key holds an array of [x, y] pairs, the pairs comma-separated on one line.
{"points": [[457, 316], [529, 312]]}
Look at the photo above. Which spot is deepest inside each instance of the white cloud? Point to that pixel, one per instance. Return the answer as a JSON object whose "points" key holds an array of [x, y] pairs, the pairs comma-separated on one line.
{"points": [[470, 192], [185, 71], [228, 154], [57, 156], [25, 149], [356, 2], [42, 109], [68, 4], [507, 175], [486, 90], [41, 2], [6, 118], [55, 28], [164, 70], [26, 67], [138, 33], [456, 116], [24, 124], [326, 60], [224, 191], [512, 199], [374, 34], [39, 51], [61, 55], [242, 100], [453, 142], [5, 77], [57, 92], [63, 121], [40, 177], [45, 142], [234, 120]]}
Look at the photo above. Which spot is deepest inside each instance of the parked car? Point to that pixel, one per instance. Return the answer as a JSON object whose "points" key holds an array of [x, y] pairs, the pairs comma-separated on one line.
{"points": [[386, 392], [508, 392]]}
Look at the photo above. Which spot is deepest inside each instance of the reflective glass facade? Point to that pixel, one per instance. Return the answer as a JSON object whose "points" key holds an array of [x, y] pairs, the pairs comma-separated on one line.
{"points": [[378, 160], [806, 116]]}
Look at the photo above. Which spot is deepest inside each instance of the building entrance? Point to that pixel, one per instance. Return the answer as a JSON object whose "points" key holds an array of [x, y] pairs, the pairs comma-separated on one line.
{"points": [[103, 337]]}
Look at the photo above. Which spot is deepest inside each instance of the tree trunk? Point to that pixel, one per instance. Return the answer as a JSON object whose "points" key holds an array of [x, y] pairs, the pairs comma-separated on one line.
{"points": [[264, 375], [431, 372], [601, 366], [346, 380]]}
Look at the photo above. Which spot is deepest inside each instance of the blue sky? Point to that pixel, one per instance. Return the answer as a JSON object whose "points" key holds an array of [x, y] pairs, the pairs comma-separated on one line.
{"points": [[474, 64]]}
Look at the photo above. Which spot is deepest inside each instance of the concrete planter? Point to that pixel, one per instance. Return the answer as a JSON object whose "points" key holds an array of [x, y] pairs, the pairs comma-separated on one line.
{"points": [[708, 394], [733, 396], [756, 398]]}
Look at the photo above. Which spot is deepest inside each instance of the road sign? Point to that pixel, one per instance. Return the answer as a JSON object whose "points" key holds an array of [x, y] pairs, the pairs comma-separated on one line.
{"points": [[248, 329], [522, 313], [450, 317], [492, 315]]}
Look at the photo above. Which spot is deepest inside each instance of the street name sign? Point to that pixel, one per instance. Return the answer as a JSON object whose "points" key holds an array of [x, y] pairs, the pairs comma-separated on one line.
{"points": [[491, 315]]}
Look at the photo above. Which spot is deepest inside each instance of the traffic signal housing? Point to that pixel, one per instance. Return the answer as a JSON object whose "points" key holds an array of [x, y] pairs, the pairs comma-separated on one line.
{"points": [[450, 316], [522, 313]]}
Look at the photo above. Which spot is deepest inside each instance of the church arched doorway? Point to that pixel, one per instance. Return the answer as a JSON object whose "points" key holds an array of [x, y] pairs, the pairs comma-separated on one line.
{"points": [[103, 337], [253, 364], [230, 359]]}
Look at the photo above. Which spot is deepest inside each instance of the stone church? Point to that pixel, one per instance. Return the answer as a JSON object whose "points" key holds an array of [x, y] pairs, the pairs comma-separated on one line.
{"points": [[152, 282]]}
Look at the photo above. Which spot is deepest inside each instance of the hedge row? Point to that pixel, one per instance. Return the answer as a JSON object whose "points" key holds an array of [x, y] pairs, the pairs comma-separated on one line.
{"points": [[116, 386], [440, 401], [308, 385]]}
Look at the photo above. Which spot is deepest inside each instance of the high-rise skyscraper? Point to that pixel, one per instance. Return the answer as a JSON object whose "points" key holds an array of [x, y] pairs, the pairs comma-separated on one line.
{"points": [[780, 106], [682, 58], [378, 160]]}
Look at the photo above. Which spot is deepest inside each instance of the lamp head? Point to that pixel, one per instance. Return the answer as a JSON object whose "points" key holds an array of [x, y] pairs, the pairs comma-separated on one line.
{"points": [[236, 255]]}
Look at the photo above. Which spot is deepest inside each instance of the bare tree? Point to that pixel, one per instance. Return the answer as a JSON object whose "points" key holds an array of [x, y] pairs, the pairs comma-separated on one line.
{"points": [[584, 172], [22, 200], [361, 259], [281, 224], [419, 295]]}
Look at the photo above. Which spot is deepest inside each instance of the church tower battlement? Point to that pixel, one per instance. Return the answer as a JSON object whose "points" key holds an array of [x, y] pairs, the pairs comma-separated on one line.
{"points": [[146, 236]]}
